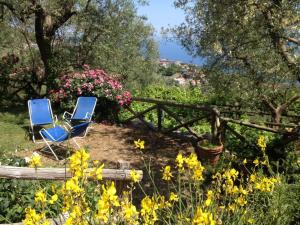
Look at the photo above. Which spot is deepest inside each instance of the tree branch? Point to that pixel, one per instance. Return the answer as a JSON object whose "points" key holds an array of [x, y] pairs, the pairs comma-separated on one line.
{"points": [[289, 102], [293, 40], [269, 104]]}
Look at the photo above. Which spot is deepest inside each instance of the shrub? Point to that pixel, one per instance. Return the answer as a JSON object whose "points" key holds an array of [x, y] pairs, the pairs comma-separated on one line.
{"points": [[89, 82], [169, 93], [192, 196]]}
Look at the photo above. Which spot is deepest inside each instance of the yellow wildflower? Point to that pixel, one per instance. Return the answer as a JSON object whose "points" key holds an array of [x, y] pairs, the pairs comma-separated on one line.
{"points": [[245, 161], [35, 160], [33, 218], [180, 160], [256, 162], [97, 172], [140, 144], [53, 199], [173, 197], [198, 172], [148, 210], [109, 194], [250, 221], [135, 177], [130, 213], [40, 196], [241, 201], [261, 142], [203, 218], [192, 161], [79, 162], [167, 174]]}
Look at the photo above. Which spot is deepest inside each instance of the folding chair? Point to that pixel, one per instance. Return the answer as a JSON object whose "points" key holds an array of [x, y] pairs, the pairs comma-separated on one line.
{"points": [[57, 135], [40, 113], [83, 111]]}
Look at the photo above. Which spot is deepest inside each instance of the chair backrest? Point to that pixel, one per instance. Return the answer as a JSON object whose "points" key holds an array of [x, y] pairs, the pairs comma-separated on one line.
{"points": [[79, 129], [40, 111], [84, 108]]}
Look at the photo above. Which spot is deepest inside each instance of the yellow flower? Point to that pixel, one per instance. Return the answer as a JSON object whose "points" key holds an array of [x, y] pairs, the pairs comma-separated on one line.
{"points": [[130, 213], [135, 177], [250, 221], [140, 144], [256, 162], [203, 218], [35, 160], [148, 210], [261, 142], [167, 175], [198, 172], [180, 160], [33, 218], [265, 162], [192, 161], [109, 194], [245, 161], [53, 199], [241, 201], [253, 177], [40, 196], [173, 197], [79, 162], [97, 172]]}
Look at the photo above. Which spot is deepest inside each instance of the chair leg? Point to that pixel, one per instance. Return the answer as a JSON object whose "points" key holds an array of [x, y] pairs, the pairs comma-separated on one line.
{"points": [[76, 143], [51, 150]]}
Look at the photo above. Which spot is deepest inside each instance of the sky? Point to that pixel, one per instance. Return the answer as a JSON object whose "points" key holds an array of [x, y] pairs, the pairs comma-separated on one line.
{"points": [[161, 13]]}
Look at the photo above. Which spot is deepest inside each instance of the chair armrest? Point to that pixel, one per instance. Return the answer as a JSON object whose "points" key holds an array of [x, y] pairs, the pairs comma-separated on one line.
{"points": [[69, 126], [67, 115], [88, 116], [43, 129], [55, 119]]}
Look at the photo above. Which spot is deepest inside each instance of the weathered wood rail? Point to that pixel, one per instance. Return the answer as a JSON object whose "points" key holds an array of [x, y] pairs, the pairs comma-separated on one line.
{"points": [[26, 173], [215, 115]]}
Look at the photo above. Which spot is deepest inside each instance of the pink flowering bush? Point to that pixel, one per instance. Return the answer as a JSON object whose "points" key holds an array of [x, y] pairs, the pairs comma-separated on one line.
{"points": [[90, 82]]}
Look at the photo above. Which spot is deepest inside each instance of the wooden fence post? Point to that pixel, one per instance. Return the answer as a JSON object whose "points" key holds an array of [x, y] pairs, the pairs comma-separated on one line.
{"points": [[159, 117], [121, 185], [215, 126]]}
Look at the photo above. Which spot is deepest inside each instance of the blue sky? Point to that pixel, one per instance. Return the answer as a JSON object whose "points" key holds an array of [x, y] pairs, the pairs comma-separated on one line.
{"points": [[161, 13]]}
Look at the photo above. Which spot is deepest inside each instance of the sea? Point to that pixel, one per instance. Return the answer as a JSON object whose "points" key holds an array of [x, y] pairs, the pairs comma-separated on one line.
{"points": [[172, 50]]}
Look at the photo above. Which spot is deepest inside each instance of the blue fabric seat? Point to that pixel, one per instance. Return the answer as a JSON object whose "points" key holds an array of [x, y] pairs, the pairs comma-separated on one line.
{"points": [[40, 113], [55, 134], [58, 134], [83, 111]]}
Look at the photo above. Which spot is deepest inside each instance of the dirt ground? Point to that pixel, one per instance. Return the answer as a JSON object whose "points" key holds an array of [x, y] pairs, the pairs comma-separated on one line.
{"points": [[110, 144]]}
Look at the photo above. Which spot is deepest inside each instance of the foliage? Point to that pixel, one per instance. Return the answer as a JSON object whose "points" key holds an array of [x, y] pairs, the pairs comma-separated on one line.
{"points": [[251, 47], [90, 82], [14, 194], [169, 70], [69, 34], [193, 196], [188, 95]]}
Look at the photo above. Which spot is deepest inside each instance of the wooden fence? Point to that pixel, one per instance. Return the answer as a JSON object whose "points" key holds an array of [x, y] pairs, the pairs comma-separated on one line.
{"points": [[215, 115]]}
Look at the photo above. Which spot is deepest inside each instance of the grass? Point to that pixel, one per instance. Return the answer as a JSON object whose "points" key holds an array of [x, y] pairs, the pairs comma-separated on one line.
{"points": [[14, 134]]}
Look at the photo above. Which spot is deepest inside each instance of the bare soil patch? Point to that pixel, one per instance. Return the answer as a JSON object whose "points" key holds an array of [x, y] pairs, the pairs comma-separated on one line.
{"points": [[111, 143]]}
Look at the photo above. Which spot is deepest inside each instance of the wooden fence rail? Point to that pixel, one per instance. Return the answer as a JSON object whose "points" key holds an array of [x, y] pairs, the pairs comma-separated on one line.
{"points": [[25, 173], [212, 114]]}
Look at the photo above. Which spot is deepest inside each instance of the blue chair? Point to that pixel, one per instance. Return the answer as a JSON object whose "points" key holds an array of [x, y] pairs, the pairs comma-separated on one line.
{"points": [[40, 114], [83, 111], [57, 135]]}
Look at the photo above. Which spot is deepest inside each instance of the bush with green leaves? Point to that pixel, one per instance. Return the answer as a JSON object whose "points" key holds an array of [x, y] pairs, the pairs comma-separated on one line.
{"points": [[185, 95]]}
